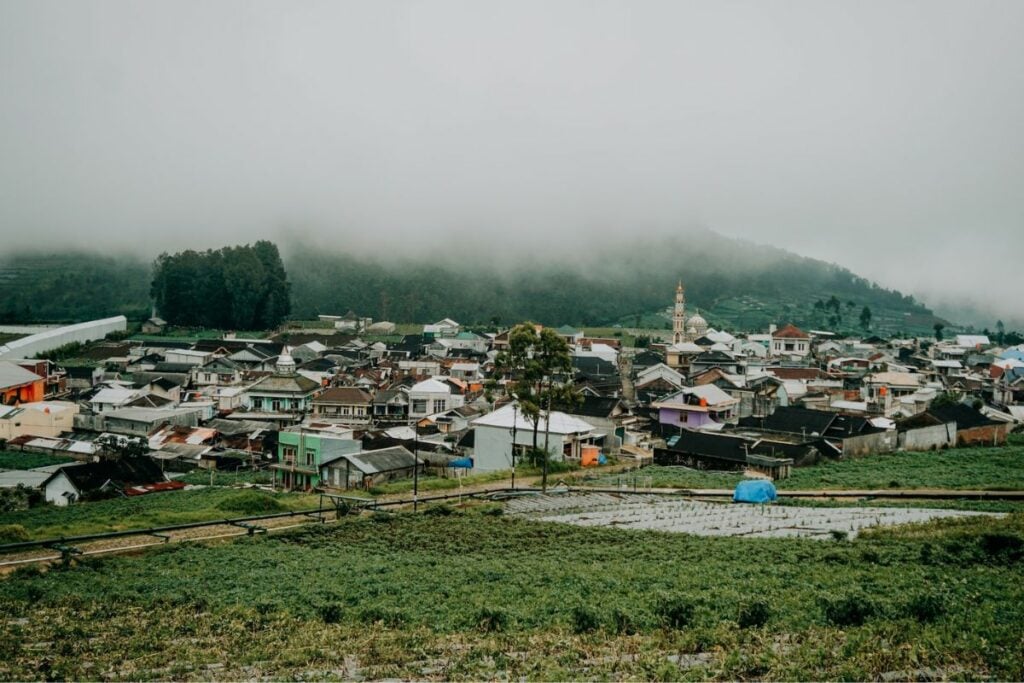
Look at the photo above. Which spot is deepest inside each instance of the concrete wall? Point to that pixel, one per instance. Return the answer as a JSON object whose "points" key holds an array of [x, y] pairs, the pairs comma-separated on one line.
{"points": [[988, 435], [492, 449], [28, 347], [869, 444], [929, 438]]}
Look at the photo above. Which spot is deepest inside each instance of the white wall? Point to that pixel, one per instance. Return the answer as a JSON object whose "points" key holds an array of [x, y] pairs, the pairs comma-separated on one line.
{"points": [[28, 347], [57, 488], [492, 447]]}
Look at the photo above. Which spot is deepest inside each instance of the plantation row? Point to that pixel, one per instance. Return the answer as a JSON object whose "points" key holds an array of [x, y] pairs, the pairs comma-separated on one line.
{"points": [[948, 595], [1000, 468]]}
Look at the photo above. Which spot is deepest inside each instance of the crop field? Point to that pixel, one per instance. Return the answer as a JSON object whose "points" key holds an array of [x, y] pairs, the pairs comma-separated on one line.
{"points": [[155, 509], [17, 460], [669, 513], [1000, 468], [475, 595]]}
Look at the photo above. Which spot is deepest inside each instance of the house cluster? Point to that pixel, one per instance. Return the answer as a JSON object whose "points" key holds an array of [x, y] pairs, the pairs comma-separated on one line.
{"points": [[354, 405]]}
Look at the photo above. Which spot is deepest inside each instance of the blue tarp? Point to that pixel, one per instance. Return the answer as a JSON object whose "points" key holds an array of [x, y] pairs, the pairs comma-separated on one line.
{"points": [[754, 491], [461, 462], [601, 460]]}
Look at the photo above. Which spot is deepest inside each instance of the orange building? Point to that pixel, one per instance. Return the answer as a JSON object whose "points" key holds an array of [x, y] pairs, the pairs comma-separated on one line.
{"points": [[18, 385]]}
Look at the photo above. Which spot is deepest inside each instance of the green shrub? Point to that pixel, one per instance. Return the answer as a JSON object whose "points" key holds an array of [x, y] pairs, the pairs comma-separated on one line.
{"points": [[1006, 548], [926, 607], [251, 503], [624, 623], [489, 619], [676, 612], [753, 614], [848, 610], [12, 533], [331, 613], [391, 618], [584, 620]]}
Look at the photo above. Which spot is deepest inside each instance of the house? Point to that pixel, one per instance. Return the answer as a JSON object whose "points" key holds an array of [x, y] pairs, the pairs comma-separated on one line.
{"points": [[972, 427], [442, 328], [284, 392], [218, 372], [189, 357], [142, 421], [112, 398], [56, 378], [301, 452], [469, 372], [791, 341], [368, 468], [44, 418], [18, 385], [130, 476], [710, 450], [391, 405], [154, 325], [834, 434], [571, 335], [608, 415], [703, 407], [347, 405], [433, 396], [885, 389], [382, 327], [493, 437]]}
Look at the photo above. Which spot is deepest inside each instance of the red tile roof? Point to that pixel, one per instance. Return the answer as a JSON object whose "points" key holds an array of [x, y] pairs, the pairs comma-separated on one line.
{"points": [[790, 332]]}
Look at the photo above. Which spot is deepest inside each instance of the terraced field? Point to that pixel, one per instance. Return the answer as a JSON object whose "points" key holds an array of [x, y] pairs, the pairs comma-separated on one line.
{"points": [[472, 595]]}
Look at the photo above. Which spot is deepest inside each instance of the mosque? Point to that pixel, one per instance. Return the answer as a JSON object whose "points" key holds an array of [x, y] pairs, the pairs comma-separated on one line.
{"points": [[684, 330]]}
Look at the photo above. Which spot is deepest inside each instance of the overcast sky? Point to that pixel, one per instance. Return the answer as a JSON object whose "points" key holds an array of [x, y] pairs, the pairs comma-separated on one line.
{"points": [[885, 136]]}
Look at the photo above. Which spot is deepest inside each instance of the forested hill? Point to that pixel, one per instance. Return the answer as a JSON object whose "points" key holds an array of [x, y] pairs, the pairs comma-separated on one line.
{"points": [[735, 284], [72, 286]]}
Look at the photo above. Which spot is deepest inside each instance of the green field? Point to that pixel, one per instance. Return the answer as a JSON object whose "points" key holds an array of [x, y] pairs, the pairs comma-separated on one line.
{"points": [[200, 476], [1000, 468], [18, 460], [155, 509], [476, 596]]}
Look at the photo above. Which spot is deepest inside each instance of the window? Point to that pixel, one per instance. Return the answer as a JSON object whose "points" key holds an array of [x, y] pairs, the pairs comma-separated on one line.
{"points": [[439, 404], [790, 346], [419, 405], [257, 404], [275, 405], [288, 455]]}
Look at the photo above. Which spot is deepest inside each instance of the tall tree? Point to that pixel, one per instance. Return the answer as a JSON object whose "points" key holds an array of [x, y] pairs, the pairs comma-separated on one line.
{"points": [[538, 366], [938, 327], [865, 318], [241, 287]]}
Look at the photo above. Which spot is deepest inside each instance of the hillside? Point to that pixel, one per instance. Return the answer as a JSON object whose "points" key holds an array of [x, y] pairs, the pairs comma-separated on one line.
{"points": [[735, 284]]}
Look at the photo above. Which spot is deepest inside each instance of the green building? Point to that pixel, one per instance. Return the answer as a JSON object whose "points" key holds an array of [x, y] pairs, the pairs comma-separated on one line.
{"points": [[301, 451]]}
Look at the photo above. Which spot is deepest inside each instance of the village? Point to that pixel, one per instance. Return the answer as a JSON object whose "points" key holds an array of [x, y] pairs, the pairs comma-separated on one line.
{"points": [[346, 404]]}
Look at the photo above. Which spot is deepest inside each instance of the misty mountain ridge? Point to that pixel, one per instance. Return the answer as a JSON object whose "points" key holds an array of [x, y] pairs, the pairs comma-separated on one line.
{"points": [[735, 284]]}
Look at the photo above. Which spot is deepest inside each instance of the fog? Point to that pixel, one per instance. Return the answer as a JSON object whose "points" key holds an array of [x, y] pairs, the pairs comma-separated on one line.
{"points": [[883, 136]]}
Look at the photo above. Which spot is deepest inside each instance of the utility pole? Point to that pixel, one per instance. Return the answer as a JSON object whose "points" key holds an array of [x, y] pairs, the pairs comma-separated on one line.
{"points": [[515, 406], [547, 453], [415, 467]]}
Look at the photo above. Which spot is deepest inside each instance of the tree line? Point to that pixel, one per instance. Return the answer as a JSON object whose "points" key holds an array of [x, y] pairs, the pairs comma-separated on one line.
{"points": [[240, 287]]}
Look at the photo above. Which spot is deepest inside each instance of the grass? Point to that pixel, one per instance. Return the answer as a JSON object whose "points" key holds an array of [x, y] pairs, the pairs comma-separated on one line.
{"points": [[999, 468], [476, 596], [19, 460], [434, 483], [237, 478], [155, 509]]}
